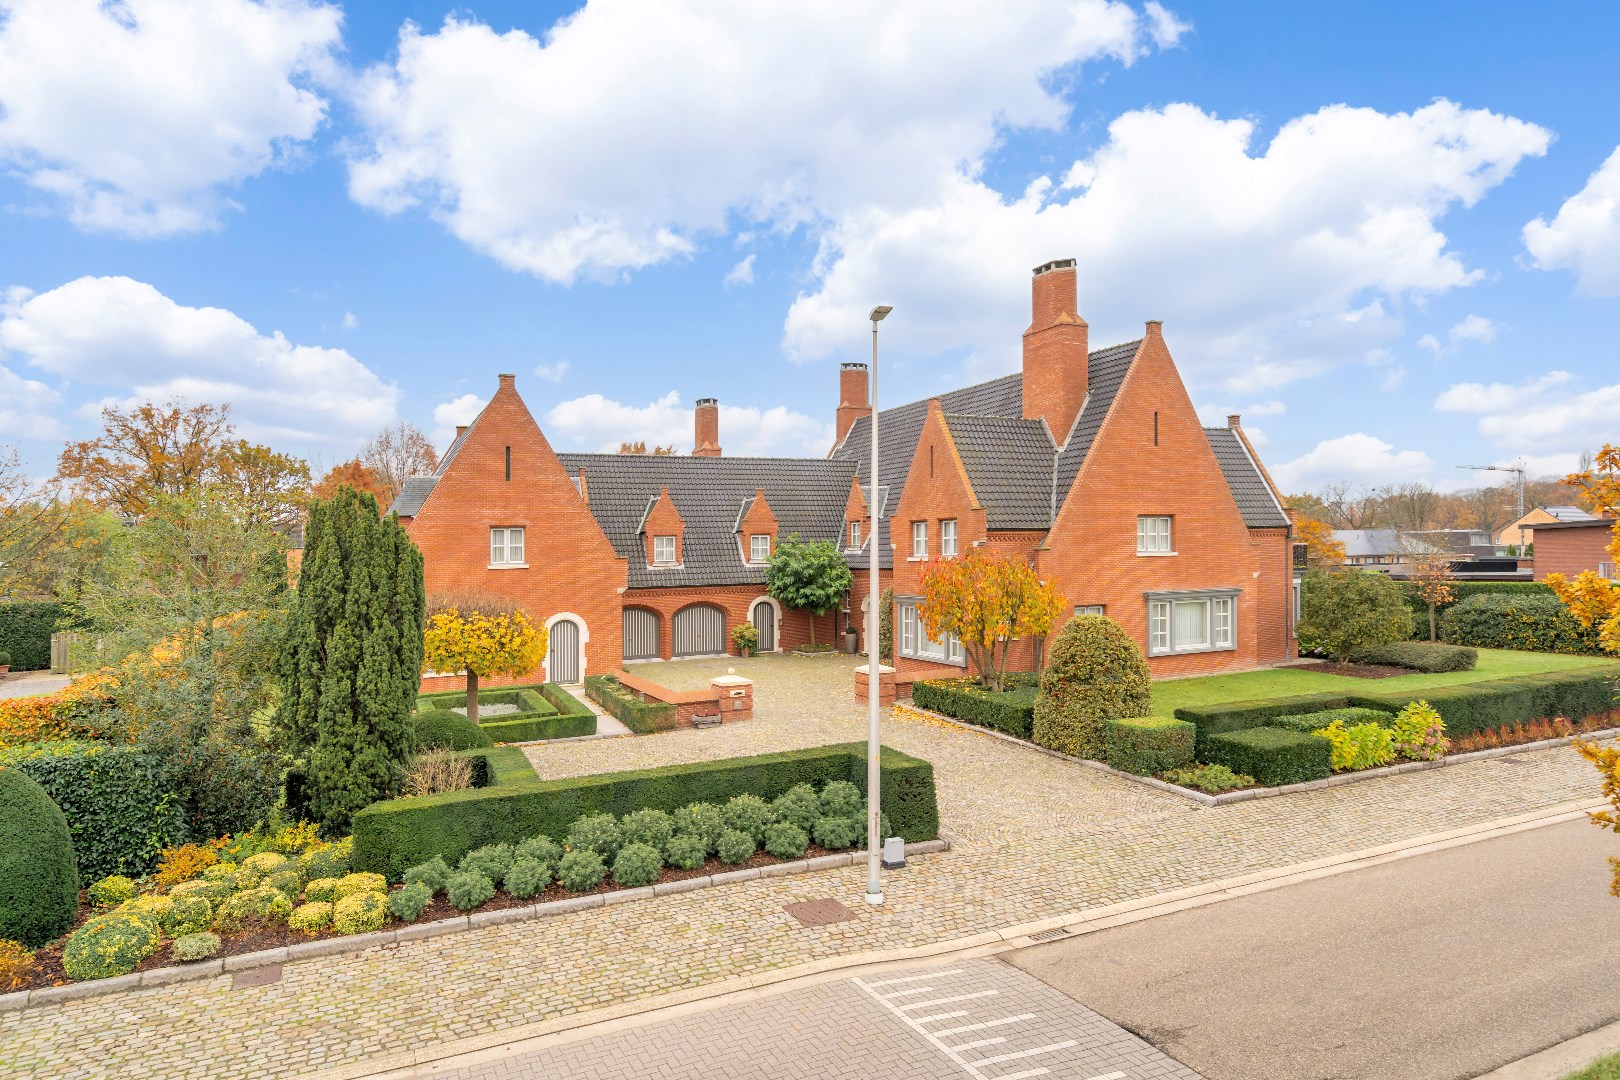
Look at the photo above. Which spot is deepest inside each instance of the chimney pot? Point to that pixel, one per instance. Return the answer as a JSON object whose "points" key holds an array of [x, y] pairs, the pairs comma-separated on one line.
{"points": [[1056, 348], [508, 382], [854, 397], [706, 428], [1155, 327], [1233, 420]]}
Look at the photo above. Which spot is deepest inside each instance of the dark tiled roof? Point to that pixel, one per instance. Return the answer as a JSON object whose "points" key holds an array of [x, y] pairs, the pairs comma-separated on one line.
{"points": [[1009, 462], [807, 495], [408, 503], [1105, 373], [1254, 498]]}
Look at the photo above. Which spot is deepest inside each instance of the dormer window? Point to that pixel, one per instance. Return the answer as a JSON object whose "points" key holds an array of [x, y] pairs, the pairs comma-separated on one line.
{"points": [[663, 551], [855, 535], [759, 548]]}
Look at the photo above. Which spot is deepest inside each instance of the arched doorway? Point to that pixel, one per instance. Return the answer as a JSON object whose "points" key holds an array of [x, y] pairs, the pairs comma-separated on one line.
{"points": [[564, 663], [699, 630], [765, 620], [641, 634]]}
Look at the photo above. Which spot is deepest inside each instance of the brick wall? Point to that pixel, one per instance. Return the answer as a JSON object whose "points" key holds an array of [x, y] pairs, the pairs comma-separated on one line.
{"points": [[1570, 551], [793, 628]]}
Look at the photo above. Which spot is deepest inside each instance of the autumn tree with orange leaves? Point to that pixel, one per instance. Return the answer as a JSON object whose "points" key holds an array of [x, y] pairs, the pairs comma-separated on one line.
{"points": [[352, 473], [1321, 550], [988, 601], [1594, 600]]}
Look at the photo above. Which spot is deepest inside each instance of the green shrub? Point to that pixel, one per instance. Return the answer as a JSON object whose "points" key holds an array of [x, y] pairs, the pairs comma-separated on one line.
{"points": [[39, 880], [350, 884], [1009, 711], [25, 632], [1310, 723], [1359, 747], [398, 833], [256, 868], [157, 906], [1419, 733], [310, 918], [222, 872], [188, 913], [360, 913], [1257, 712], [736, 846], [686, 851], [840, 798], [331, 861], [529, 876], [201, 945], [641, 717], [745, 636], [286, 881], [748, 814], [1211, 779], [833, 833], [786, 840], [441, 729], [433, 874], [650, 827], [491, 860], [1094, 673], [581, 870], [1468, 708], [262, 906], [111, 891], [1537, 623], [466, 890], [1272, 756], [1431, 657], [406, 903], [599, 833], [110, 945], [702, 820], [321, 890], [798, 806], [637, 865], [211, 891], [1148, 745], [113, 796], [1463, 590], [1352, 609]]}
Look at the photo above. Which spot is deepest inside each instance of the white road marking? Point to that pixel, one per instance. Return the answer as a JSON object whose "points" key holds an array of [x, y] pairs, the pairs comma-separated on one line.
{"points": [[915, 978], [904, 993], [986, 1024], [959, 1047], [941, 1001], [1064, 1045], [940, 1016]]}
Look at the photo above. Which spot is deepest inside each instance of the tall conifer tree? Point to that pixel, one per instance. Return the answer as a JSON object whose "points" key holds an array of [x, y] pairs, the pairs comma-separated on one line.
{"points": [[353, 657]]}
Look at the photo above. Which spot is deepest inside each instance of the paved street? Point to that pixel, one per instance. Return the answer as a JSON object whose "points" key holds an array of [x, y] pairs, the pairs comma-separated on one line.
{"points": [[1435, 967], [33, 682]]}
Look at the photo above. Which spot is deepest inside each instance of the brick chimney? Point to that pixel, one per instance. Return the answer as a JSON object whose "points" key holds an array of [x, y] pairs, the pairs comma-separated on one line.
{"points": [[508, 382], [1055, 350], [706, 424], [854, 398], [1234, 420]]}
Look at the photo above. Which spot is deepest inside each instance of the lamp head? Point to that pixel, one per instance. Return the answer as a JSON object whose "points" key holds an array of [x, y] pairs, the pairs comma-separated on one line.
{"points": [[880, 312]]}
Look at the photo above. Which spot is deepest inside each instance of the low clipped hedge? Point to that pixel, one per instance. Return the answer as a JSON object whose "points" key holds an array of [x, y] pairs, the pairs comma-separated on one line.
{"points": [[1148, 745], [1473, 707], [25, 632], [441, 729], [392, 836], [1425, 656], [1009, 711], [641, 717], [545, 711], [1518, 621], [498, 765], [1309, 723], [1272, 756], [1241, 715]]}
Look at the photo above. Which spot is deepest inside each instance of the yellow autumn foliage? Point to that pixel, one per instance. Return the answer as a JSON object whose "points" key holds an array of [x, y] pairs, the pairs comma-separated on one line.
{"points": [[498, 643]]}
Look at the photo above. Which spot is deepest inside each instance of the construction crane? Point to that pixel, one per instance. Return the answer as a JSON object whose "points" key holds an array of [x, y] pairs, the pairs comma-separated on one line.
{"points": [[1517, 470]]}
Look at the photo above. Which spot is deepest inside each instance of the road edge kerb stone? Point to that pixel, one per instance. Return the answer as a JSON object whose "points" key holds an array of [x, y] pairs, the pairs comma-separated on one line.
{"points": [[311, 950], [413, 1064], [1250, 794], [1561, 1059]]}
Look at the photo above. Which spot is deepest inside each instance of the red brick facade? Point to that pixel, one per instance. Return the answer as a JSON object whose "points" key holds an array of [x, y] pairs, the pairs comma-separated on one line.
{"points": [[1571, 548]]}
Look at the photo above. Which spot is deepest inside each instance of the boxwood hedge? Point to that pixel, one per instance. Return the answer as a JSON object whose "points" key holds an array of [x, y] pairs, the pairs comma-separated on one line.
{"points": [[1148, 745], [1468, 708], [1242, 715], [545, 711], [25, 632], [1425, 656], [391, 836], [641, 717], [1272, 756], [1011, 711]]}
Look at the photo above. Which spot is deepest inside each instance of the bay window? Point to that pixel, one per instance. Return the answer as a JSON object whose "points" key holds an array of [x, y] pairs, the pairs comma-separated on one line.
{"points": [[1192, 622], [915, 642]]}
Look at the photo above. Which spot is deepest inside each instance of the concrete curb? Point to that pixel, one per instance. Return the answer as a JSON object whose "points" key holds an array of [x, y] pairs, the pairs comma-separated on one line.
{"points": [[337, 946], [437, 1061], [1250, 794], [1557, 1062]]}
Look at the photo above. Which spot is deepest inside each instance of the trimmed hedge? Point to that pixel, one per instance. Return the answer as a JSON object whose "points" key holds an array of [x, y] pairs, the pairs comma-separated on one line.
{"points": [[441, 729], [394, 835], [1464, 590], [1527, 622], [1309, 723], [39, 884], [113, 799], [1426, 656], [1272, 756], [546, 711], [1148, 745], [641, 717], [1242, 715], [1473, 707], [1011, 711], [498, 765], [25, 632]]}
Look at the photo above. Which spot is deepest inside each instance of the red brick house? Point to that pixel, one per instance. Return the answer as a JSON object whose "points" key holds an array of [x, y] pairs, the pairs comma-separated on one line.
{"points": [[1092, 464], [1570, 547]]}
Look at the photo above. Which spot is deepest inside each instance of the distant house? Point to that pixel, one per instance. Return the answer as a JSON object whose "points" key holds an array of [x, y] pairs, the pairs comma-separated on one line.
{"points": [[1569, 547], [1381, 547], [1395, 552], [1517, 534]]}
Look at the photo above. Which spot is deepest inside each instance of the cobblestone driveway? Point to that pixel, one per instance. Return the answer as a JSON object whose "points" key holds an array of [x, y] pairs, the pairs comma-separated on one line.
{"points": [[1036, 836]]}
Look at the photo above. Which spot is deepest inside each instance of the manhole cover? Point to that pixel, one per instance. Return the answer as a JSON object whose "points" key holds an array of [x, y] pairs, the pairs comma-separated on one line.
{"points": [[819, 912], [260, 976]]}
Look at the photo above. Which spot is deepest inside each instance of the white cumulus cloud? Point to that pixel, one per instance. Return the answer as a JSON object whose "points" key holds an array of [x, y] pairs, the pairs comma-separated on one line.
{"points": [[1585, 234], [139, 114], [24, 405], [448, 415], [598, 423], [552, 372], [741, 274], [1474, 328], [1357, 458], [1550, 415], [127, 337]]}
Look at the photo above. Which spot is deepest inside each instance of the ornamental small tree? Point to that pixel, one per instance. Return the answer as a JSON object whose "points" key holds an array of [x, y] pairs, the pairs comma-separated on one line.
{"points": [[1096, 673], [1353, 609], [811, 576], [485, 635], [1321, 550], [352, 658], [1595, 600], [1431, 582], [988, 601]]}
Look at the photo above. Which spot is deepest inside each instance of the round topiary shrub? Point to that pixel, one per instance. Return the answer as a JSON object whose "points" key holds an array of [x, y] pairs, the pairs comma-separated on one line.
{"points": [[350, 884], [686, 851], [111, 891], [286, 881], [110, 945], [434, 874], [441, 729], [223, 872], [39, 880], [491, 860], [1094, 673], [581, 870], [540, 849], [193, 947], [211, 891], [527, 877], [361, 913], [650, 827], [330, 861], [736, 846], [637, 865], [797, 806], [747, 814], [467, 890], [322, 890], [702, 820], [597, 832], [188, 913], [407, 903], [786, 840], [158, 907], [841, 799], [253, 907], [833, 833], [310, 918], [258, 867]]}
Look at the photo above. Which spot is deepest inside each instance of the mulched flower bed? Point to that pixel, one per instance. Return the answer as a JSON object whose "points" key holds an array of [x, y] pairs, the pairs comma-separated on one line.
{"points": [[1360, 671]]}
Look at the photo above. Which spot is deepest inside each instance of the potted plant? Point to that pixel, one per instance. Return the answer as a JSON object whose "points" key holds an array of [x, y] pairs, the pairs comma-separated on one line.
{"points": [[5, 662], [746, 637]]}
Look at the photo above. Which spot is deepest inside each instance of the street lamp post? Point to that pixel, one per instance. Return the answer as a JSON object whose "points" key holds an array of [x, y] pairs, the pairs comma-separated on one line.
{"points": [[874, 659]]}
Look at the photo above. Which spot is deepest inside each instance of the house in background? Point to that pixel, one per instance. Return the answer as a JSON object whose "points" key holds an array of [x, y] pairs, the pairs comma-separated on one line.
{"points": [[1517, 534], [1570, 547]]}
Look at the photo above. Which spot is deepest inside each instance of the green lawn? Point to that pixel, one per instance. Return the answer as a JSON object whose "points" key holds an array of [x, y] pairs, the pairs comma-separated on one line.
{"points": [[1287, 682], [1603, 1069]]}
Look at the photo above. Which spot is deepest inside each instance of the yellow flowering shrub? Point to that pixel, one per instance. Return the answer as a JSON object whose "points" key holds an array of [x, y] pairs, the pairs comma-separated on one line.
{"points": [[1360, 747], [360, 913], [16, 965]]}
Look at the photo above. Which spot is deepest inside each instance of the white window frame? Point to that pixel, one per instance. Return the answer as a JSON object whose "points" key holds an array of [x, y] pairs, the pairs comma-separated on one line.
{"points": [[1089, 609], [1220, 630], [660, 545], [1155, 535], [915, 643], [947, 538], [502, 549], [919, 539], [1606, 570], [854, 536], [754, 544]]}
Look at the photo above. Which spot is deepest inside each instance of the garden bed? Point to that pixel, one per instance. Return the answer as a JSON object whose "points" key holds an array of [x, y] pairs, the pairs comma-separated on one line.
{"points": [[539, 712]]}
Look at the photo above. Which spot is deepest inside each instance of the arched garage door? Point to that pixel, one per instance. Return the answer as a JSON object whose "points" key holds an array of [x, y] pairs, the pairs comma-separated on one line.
{"points": [[699, 630], [640, 634]]}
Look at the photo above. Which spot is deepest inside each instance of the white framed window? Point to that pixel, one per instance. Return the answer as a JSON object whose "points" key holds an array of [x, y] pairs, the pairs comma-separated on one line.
{"points": [[663, 551], [947, 538], [1606, 570], [506, 547], [1088, 609], [915, 642], [759, 547], [855, 535], [919, 539], [1153, 535], [1191, 622]]}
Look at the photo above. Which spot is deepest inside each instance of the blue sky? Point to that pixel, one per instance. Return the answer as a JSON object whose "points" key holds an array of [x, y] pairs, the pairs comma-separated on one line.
{"points": [[333, 216]]}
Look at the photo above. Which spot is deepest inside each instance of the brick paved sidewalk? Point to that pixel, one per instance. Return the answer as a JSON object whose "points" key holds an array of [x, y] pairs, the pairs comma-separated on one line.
{"points": [[1037, 837]]}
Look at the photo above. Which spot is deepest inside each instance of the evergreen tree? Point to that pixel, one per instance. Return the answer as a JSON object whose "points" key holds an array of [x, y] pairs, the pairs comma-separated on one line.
{"points": [[353, 657]]}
